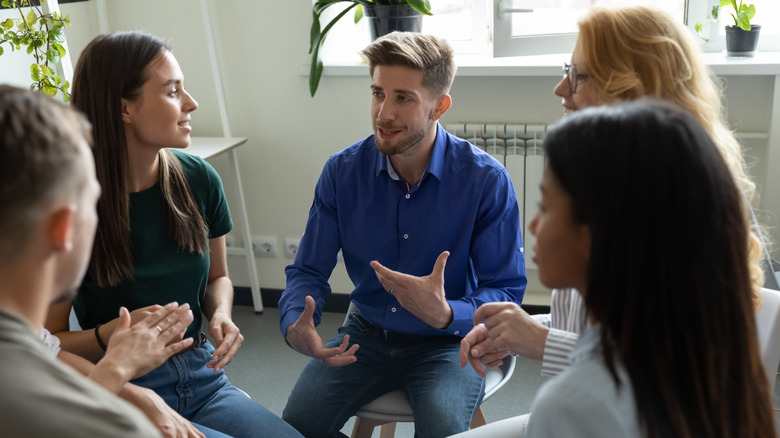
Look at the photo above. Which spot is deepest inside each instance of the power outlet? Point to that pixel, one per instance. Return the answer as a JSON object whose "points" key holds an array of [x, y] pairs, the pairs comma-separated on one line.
{"points": [[264, 246], [290, 247]]}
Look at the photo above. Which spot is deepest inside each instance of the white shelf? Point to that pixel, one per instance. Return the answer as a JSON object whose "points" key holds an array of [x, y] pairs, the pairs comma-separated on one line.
{"points": [[208, 147]]}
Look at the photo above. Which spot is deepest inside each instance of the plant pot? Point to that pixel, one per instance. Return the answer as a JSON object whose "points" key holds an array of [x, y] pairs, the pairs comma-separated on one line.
{"points": [[742, 42], [384, 19]]}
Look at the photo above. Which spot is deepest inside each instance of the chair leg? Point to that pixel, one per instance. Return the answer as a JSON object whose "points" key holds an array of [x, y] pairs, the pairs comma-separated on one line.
{"points": [[478, 419], [388, 430], [364, 427]]}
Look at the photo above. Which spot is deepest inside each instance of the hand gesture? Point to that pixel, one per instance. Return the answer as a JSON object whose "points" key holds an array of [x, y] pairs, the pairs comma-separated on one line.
{"points": [[303, 338], [477, 349], [139, 314], [509, 327], [228, 338], [135, 350], [422, 296]]}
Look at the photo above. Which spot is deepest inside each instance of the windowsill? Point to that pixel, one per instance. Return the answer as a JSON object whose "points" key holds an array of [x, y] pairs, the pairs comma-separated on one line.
{"points": [[763, 64]]}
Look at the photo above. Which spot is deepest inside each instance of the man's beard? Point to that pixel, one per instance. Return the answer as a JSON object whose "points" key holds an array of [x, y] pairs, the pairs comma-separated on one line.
{"points": [[404, 145]]}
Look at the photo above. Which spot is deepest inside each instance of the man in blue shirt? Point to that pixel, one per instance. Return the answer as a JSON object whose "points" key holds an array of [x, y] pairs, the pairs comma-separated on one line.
{"points": [[429, 229]]}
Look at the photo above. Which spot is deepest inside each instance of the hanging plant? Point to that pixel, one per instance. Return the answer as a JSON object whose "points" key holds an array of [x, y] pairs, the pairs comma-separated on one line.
{"points": [[41, 35]]}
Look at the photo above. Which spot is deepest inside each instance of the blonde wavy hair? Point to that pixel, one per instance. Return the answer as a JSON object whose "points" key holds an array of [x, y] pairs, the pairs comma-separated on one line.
{"points": [[642, 51]]}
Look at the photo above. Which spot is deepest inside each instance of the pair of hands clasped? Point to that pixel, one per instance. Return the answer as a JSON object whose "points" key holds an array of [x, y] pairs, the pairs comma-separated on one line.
{"points": [[501, 329], [422, 296]]}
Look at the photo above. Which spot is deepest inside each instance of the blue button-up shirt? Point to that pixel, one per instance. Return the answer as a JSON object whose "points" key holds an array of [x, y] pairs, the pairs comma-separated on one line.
{"points": [[464, 203]]}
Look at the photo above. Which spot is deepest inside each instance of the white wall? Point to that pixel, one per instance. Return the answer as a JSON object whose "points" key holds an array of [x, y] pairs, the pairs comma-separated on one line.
{"points": [[261, 49]]}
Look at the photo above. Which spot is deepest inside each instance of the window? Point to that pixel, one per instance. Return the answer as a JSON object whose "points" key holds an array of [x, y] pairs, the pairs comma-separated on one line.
{"points": [[464, 23], [767, 15], [507, 28], [522, 27]]}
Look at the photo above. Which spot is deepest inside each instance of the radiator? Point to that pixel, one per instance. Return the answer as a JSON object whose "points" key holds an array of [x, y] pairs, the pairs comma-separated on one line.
{"points": [[519, 148]]}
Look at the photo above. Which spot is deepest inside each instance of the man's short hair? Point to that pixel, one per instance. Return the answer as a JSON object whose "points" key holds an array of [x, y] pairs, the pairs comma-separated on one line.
{"points": [[40, 149], [427, 53]]}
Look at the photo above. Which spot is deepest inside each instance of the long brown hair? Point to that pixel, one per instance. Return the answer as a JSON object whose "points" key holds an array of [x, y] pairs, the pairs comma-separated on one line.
{"points": [[641, 51], [111, 68], [668, 277]]}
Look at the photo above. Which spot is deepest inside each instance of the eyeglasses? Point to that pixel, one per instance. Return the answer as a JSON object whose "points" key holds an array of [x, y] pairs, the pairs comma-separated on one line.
{"points": [[570, 73]]}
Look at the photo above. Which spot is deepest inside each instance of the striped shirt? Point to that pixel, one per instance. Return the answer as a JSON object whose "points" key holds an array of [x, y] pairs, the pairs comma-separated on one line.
{"points": [[566, 320]]}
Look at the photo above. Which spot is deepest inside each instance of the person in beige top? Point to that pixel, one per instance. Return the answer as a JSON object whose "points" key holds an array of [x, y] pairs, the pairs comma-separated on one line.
{"points": [[48, 191]]}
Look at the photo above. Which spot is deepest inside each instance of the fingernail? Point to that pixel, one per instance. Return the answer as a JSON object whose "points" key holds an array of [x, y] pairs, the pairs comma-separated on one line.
{"points": [[172, 305], [474, 352], [185, 306]]}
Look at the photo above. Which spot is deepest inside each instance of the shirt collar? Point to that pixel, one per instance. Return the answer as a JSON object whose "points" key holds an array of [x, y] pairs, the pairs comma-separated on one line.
{"points": [[435, 163], [588, 342]]}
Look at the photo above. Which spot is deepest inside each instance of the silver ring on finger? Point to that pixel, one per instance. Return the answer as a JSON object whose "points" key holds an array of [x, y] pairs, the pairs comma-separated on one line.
{"points": [[158, 328], [391, 291]]}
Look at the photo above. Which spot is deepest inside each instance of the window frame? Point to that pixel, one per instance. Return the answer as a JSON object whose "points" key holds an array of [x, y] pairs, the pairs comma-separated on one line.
{"points": [[696, 11], [505, 45]]}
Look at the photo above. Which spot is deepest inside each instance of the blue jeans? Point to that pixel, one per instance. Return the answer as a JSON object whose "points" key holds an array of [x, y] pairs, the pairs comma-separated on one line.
{"points": [[443, 395], [209, 401]]}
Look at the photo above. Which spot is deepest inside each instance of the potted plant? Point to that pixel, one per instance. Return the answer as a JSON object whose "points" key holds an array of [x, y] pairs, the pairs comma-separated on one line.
{"points": [[385, 15], [41, 35], [741, 37]]}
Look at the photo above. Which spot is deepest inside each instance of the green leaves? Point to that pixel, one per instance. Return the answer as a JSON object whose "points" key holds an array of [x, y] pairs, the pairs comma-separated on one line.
{"points": [[318, 38], [35, 72], [317, 34], [41, 35], [358, 13], [31, 17], [421, 6], [746, 12], [742, 15]]}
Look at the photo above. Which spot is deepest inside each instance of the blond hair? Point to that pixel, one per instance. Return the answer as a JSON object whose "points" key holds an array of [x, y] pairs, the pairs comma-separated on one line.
{"points": [[427, 53], [642, 51]]}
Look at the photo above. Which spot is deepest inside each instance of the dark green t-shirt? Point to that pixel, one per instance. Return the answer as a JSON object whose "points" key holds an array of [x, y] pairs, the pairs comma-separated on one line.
{"points": [[163, 273]]}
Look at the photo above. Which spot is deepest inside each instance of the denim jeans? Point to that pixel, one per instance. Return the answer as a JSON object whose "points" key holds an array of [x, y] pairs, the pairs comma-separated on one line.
{"points": [[443, 395], [209, 401]]}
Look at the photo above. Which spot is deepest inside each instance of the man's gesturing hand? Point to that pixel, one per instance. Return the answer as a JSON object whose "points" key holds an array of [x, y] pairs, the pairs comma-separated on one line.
{"points": [[422, 296], [303, 338]]}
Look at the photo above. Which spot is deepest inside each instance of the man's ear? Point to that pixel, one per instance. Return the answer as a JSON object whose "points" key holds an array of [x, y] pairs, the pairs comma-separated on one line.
{"points": [[59, 229], [442, 105]]}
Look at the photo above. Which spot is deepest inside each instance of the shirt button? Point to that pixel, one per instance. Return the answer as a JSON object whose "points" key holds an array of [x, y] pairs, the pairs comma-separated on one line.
{"points": [[408, 196], [457, 332], [522, 249], [406, 236], [392, 309]]}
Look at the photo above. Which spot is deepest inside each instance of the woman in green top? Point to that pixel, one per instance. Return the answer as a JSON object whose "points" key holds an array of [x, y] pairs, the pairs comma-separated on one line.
{"points": [[162, 221]]}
